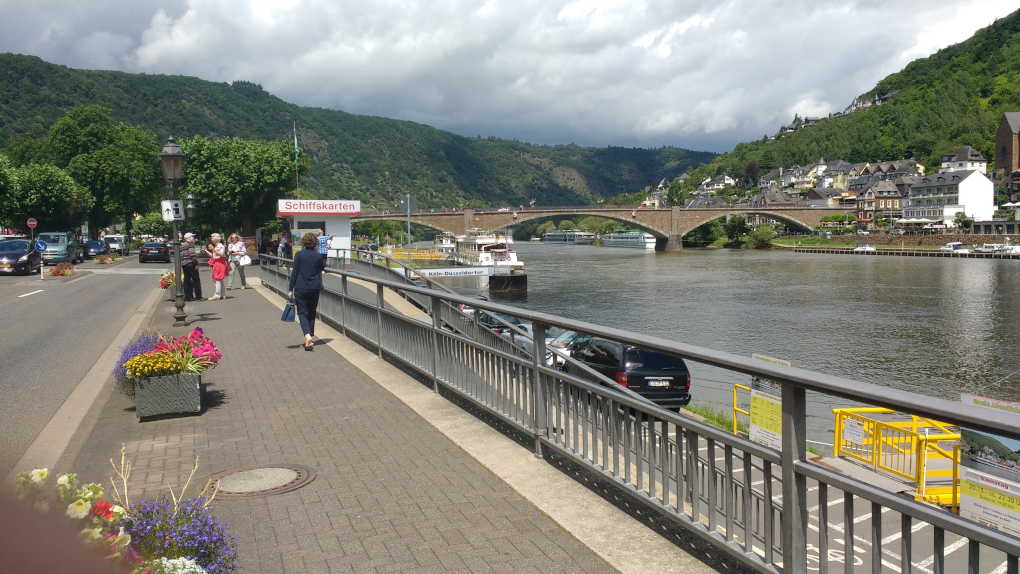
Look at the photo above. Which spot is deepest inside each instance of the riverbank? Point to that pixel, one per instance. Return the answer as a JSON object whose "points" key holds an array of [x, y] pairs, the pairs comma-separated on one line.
{"points": [[902, 241]]}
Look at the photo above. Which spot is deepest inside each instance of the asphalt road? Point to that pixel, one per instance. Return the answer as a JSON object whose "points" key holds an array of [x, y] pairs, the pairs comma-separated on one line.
{"points": [[51, 333]]}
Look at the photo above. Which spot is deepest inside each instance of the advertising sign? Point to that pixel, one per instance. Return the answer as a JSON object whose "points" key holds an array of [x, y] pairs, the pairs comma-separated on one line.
{"points": [[439, 272], [990, 473], [766, 426], [252, 245], [338, 207]]}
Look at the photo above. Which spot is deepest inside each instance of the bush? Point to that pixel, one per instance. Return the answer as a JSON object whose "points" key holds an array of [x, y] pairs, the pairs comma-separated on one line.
{"points": [[62, 270], [761, 237]]}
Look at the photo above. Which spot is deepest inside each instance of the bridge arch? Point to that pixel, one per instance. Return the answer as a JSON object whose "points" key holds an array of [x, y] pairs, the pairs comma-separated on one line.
{"points": [[402, 218], [629, 222], [778, 216]]}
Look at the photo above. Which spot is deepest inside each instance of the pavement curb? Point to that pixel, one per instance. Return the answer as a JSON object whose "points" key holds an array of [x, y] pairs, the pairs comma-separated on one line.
{"points": [[619, 540], [48, 448]]}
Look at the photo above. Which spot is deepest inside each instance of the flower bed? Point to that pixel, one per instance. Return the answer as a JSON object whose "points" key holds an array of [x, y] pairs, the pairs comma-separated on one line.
{"points": [[151, 354], [107, 259], [167, 280], [62, 270], [171, 535]]}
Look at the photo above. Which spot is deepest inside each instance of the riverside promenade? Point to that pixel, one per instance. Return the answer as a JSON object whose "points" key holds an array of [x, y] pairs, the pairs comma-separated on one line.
{"points": [[406, 480]]}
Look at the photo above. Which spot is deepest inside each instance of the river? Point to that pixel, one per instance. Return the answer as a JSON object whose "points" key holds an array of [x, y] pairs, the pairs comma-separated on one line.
{"points": [[934, 326]]}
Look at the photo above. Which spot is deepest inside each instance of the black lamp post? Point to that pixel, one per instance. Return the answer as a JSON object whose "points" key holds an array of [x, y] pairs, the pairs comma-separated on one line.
{"points": [[171, 161]]}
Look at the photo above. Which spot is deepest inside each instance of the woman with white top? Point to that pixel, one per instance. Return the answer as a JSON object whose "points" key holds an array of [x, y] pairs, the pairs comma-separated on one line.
{"points": [[235, 249]]}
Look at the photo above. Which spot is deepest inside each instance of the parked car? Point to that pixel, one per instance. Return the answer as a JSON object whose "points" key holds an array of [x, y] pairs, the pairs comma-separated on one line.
{"points": [[96, 248], [118, 244], [489, 319], [897, 231], [661, 378], [863, 232], [61, 247], [18, 256], [154, 251], [564, 342], [468, 309]]}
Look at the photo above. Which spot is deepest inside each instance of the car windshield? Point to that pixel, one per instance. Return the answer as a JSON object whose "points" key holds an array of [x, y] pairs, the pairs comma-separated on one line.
{"points": [[13, 246], [53, 238], [564, 339], [113, 239], [644, 359], [96, 244], [554, 332]]}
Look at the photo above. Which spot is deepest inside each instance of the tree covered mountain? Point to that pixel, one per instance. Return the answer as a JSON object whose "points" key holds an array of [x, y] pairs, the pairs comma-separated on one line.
{"points": [[355, 157], [954, 97]]}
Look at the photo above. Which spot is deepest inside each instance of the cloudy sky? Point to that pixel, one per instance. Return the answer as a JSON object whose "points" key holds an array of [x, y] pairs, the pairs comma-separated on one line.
{"points": [[701, 74]]}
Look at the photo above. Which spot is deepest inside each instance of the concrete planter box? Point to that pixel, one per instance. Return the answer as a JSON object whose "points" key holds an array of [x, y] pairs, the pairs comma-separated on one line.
{"points": [[168, 395]]}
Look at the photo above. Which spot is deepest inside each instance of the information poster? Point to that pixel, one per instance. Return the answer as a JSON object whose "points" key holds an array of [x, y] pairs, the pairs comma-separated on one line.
{"points": [[766, 426], [990, 473], [252, 245]]}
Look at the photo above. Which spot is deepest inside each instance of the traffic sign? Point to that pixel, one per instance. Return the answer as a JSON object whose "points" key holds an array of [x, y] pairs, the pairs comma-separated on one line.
{"points": [[40, 246], [172, 210], [32, 223]]}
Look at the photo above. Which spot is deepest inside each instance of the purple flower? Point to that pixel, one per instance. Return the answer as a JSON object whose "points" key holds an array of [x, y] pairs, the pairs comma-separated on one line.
{"points": [[190, 533], [141, 344]]}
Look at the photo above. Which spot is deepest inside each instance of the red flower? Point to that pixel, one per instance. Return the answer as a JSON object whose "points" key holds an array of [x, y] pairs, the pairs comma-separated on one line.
{"points": [[103, 509]]}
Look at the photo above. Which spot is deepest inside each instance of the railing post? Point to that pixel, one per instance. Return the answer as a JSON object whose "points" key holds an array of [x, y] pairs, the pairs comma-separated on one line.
{"points": [[795, 519], [539, 392], [437, 326], [343, 304], [380, 303]]}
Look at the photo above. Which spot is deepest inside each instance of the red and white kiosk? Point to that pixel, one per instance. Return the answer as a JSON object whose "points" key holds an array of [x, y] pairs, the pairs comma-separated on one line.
{"points": [[333, 216]]}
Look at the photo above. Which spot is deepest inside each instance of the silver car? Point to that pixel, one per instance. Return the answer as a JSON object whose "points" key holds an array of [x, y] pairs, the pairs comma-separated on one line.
{"points": [[117, 244]]}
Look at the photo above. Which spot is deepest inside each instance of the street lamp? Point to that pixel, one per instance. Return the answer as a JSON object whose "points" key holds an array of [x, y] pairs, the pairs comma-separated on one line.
{"points": [[171, 161], [190, 208]]}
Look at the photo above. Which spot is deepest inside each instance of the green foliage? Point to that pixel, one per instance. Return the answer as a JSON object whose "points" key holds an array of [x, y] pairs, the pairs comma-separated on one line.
{"points": [[954, 97], [46, 193], [153, 224], [761, 237], [719, 419], [678, 192], [627, 199], [371, 159], [706, 233], [237, 182], [396, 230], [736, 227], [961, 220]]}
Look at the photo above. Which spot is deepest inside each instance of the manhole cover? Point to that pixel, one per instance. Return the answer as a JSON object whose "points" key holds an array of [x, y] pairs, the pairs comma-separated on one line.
{"points": [[257, 481]]}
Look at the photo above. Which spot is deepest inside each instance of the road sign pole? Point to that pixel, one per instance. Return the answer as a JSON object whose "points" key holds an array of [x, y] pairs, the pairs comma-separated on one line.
{"points": [[180, 317]]}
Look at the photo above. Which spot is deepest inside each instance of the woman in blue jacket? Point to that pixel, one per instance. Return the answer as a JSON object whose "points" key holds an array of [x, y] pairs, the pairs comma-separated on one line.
{"points": [[305, 284]]}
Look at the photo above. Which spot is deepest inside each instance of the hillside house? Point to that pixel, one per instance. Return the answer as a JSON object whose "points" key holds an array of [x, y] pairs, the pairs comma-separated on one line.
{"points": [[717, 183], [1007, 144], [965, 158], [941, 196], [770, 179]]}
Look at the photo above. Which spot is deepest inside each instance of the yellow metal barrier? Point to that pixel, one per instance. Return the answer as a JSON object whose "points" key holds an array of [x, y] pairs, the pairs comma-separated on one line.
{"points": [[904, 448], [737, 409]]}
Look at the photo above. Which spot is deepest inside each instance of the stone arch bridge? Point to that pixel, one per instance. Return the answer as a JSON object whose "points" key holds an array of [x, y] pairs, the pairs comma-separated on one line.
{"points": [[667, 224]]}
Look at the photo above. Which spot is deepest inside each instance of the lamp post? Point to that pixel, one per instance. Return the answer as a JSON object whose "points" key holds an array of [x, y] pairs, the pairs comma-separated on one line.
{"points": [[190, 209], [171, 161]]}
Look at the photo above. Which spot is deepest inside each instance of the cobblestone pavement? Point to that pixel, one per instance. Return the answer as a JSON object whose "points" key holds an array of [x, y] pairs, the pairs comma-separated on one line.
{"points": [[392, 493]]}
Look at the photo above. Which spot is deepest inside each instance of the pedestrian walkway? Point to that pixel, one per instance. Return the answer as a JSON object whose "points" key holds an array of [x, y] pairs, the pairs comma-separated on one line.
{"points": [[392, 493]]}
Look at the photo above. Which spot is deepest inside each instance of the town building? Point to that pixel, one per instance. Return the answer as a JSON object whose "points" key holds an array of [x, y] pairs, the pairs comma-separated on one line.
{"points": [[771, 178], [1007, 144], [717, 183], [941, 196], [965, 158]]}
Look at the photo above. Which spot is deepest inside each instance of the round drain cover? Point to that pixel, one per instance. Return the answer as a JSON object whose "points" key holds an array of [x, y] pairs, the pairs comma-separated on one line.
{"points": [[257, 481]]}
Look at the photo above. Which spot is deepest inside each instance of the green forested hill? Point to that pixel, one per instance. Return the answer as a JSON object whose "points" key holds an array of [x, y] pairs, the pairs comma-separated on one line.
{"points": [[951, 98], [356, 157]]}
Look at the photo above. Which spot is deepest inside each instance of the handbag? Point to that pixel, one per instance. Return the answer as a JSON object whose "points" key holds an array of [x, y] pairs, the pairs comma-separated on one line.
{"points": [[289, 311], [244, 260]]}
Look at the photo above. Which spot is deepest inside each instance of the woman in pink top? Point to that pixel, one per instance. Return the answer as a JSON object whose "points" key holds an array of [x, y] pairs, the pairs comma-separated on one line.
{"points": [[218, 262]]}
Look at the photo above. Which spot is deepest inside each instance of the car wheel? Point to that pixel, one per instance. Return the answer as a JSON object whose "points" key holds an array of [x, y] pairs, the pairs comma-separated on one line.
{"points": [[140, 260]]}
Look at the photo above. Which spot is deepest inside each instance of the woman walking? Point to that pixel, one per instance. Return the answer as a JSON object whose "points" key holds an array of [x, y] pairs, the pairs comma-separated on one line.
{"points": [[218, 262], [235, 249], [305, 284]]}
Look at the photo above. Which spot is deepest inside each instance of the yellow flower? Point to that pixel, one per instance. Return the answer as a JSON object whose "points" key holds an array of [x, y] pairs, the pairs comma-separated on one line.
{"points": [[63, 480], [92, 533], [39, 475], [78, 509]]}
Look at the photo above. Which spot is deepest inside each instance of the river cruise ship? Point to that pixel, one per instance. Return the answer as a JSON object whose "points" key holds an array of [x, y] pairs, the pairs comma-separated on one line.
{"points": [[446, 244], [482, 248], [572, 236], [629, 238]]}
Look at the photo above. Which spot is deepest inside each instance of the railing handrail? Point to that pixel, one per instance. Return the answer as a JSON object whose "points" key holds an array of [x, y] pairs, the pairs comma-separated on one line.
{"points": [[850, 389]]}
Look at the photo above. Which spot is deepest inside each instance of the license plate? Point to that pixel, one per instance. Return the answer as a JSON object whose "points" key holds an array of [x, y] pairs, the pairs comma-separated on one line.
{"points": [[659, 382], [4, 265]]}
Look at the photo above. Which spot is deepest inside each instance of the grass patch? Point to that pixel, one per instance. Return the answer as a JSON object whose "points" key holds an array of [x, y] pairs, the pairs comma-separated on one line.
{"points": [[716, 418]]}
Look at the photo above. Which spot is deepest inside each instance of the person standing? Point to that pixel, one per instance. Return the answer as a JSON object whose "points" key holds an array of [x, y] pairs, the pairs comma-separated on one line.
{"points": [[305, 285], [189, 268], [218, 262], [235, 249], [322, 242]]}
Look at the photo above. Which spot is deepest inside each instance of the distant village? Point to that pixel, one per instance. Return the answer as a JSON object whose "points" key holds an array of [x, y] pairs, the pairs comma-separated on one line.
{"points": [[888, 193]]}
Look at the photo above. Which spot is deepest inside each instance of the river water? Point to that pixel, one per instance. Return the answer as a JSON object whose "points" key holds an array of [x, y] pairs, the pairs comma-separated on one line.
{"points": [[934, 326]]}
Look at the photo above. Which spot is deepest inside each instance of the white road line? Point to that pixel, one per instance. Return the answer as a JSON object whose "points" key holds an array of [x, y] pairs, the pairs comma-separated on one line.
{"points": [[32, 293], [949, 550], [1000, 570], [897, 536], [831, 503]]}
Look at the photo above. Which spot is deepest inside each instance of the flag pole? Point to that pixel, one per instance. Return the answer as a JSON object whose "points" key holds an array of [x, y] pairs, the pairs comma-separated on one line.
{"points": [[297, 180]]}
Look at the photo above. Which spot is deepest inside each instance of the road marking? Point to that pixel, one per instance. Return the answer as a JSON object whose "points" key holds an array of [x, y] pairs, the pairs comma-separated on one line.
{"points": [[949, 550], [32, 293], [79, 279], [897, 536]]}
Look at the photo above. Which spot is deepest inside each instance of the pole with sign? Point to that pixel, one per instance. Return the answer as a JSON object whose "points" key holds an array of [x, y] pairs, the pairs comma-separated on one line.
{"points": [[407, 205], [31, 225], [40, 246], [767, 408]]}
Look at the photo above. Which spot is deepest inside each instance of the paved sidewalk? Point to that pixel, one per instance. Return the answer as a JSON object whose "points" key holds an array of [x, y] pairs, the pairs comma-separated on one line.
{"points": [[392, 493]]}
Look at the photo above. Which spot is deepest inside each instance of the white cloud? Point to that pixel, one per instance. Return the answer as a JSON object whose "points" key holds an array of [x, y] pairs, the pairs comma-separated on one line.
{"points": [[697, 73]]}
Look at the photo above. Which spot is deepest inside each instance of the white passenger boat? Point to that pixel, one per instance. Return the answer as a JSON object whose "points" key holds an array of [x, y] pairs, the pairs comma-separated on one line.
{"points": [[482, 248], [446, 244], [571, 236], [629, 238], [954, 247]]}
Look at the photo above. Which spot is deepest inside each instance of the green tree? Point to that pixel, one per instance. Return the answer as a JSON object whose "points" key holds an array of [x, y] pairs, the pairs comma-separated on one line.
{"points": [[152, 223], [566, 225], [762, 236], [706, 233], [751, 173], [767, 162], [736, 227], [676, 194], [46, 193], [237, 182], [961, 220]]}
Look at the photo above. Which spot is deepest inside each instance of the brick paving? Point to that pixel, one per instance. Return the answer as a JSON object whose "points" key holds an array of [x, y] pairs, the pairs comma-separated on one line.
{"points": [[392, 493]]}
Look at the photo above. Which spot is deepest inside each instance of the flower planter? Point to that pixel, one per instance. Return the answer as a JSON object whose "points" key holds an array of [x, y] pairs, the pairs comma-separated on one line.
{"points": [[181, 393]]}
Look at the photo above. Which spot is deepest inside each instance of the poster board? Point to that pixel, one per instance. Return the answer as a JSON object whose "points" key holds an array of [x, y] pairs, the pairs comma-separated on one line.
{"points": [[251, 244], [990, 472], [766, 426]]}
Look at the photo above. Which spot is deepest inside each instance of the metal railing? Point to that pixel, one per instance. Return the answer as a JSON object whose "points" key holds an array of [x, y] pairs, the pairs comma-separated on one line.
{"points": [[750, 501]]}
